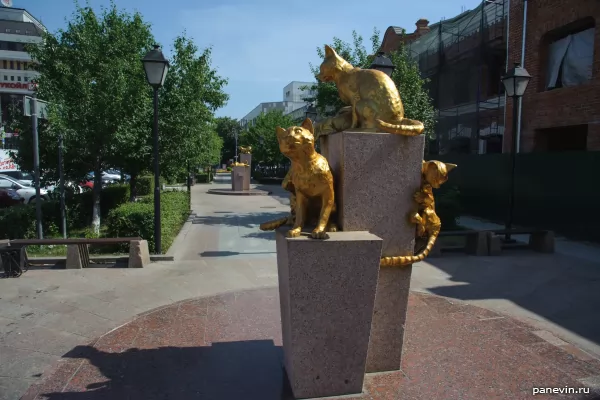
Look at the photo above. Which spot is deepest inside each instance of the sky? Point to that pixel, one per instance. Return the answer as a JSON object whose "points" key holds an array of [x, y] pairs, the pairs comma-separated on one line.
{"points": [[261, 45]]}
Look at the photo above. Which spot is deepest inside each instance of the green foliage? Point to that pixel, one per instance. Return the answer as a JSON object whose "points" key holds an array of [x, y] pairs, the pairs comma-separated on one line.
{"points": [[137, 219], [204, 178], [19, 222], [406, 76], [262, 137], [144, 185], [226, 129], [99, 100], [193, 91], [447, 206]]}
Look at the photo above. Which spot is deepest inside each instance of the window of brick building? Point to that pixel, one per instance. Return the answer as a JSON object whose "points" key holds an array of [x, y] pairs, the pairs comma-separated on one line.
{"points": [[570, 56]]}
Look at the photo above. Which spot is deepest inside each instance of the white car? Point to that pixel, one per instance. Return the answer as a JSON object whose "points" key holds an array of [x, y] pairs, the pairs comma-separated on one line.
{"points": [[26, 192]]}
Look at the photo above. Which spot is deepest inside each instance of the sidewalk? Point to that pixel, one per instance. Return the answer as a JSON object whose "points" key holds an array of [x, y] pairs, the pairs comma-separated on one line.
{"points": [[46, 314]]}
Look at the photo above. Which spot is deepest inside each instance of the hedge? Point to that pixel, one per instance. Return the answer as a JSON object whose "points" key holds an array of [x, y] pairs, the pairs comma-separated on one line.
{"points": [[204, 178], [137, 219], [145, 184], [19, 222]]}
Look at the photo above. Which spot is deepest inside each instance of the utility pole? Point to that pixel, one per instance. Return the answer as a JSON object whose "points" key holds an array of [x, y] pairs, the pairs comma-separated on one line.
{"points": [[63, 213]]}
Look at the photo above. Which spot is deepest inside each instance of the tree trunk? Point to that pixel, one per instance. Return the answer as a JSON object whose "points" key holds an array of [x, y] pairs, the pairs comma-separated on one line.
{"points": [[96, 200], [132, 187]]}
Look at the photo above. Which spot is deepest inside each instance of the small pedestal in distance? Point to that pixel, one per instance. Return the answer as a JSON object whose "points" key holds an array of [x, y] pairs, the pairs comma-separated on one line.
{"points": [[240, 178], [327, 290], [376, 176]]}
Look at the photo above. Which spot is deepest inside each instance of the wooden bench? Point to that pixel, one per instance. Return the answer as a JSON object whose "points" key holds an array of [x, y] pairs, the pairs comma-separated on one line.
{"points": [[78, 255]]}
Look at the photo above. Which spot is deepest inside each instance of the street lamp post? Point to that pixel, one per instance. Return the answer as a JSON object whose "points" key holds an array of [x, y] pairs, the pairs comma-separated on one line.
{"points": [[515, 83], [156, 67], [383, 63]]}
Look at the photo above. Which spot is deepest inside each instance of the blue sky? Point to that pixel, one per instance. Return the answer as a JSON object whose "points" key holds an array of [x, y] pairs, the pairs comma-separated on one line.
{"points": [[262, 45]]}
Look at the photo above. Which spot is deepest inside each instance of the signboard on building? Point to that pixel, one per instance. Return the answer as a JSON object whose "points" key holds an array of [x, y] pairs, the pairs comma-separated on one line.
{"points": [[7, 3], [6, 161], [17, 85]]}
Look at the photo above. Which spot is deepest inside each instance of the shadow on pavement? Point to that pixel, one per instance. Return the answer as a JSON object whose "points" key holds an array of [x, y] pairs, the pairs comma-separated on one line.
{"points": [[225, 253], [250, 370], [558, 288], [239, 220]]}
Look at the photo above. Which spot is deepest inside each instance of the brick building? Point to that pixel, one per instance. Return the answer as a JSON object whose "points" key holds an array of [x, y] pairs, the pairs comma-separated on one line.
{"points": [[395, 36], [561, 107]]}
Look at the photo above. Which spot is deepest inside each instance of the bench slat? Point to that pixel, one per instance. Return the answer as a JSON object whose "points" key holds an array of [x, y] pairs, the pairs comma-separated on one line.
{"points": [[42, 242]]}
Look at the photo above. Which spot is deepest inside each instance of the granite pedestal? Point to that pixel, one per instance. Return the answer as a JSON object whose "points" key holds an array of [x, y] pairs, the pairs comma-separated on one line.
{"points": [[376, 176], [327, 290], [240, 178], [246, 158]]}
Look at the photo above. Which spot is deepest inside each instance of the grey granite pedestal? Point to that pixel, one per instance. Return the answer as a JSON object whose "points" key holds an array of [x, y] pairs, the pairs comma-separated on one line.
{"points": [[246, 158], [240, 178], [327, 290], [376, 175]]}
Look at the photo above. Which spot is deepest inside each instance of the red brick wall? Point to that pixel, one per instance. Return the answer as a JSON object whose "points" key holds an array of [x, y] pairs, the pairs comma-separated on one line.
{"points": [[559, 107]]}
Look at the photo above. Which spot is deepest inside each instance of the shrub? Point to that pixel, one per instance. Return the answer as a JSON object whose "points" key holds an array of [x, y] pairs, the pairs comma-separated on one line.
{"points": [[19, 222], [203, 178], [137, 219], [110, 198], [228, 169], [447, 206], [145, 184]]}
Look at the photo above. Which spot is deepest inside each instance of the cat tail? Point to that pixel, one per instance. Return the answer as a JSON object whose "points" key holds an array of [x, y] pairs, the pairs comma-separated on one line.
{"points": [[407, 260], [272, 225], [407, 127]]}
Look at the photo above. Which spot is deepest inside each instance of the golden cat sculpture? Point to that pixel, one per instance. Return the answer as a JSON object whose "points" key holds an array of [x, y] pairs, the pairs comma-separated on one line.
{"points": [[433, 175], [309, 180], [246, 149], [372, 95]]}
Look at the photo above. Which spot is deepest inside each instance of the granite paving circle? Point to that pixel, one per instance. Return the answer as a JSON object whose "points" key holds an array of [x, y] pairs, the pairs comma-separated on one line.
{"points": [[229, 347]]}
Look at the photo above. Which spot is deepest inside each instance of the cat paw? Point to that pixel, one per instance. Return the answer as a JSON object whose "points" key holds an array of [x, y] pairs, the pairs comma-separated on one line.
{"points": [[319, 234], [292, 233]]}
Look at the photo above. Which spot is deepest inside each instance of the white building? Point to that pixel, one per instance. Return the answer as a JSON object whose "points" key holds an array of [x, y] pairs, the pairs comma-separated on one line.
{"points": [[17, 28], [294, 95]]}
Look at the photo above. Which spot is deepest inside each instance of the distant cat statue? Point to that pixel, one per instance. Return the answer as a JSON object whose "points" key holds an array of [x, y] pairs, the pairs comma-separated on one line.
{"points": [[434, 174], [372, 95], [310, 182], [245, 149]]}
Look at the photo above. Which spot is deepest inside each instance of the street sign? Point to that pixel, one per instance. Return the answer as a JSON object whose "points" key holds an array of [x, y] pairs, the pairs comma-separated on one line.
{"points": [[42, 111]]}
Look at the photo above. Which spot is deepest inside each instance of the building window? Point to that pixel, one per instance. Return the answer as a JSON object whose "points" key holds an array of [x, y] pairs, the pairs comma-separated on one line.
{"points": [[5, 77], [26, 79], [18, 31], [19, 65], [5, 64], [12, 78], [7, 30], [19, 78], [570, 60], [12, 65]]}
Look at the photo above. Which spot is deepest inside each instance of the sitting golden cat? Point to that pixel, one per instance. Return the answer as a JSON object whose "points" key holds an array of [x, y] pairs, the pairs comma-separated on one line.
{"points": [[245, 149], [372, 95], [309, 180], [434, 174]]}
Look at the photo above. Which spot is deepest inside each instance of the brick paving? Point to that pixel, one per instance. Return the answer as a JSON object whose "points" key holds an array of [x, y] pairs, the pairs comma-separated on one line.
{"points": [[229, 347]]}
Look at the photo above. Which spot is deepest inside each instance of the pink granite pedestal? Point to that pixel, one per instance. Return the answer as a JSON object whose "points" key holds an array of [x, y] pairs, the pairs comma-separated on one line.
{"points": [[326, 290], [376, 175], [246, 158], [240, 178]]}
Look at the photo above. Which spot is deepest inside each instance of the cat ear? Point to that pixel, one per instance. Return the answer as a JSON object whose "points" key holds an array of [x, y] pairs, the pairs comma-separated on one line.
{"points": [[450, 167], [329, 52], [308, 125], [280, 131]]}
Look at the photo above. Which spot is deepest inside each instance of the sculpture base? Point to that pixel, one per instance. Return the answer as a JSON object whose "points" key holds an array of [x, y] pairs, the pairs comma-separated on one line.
{"points": [[376, 176], [327, 290], [240, 178]]}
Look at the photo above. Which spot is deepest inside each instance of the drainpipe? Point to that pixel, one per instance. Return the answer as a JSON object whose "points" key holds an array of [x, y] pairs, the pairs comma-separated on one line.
{"points": [[507, 2], [523, 65]]}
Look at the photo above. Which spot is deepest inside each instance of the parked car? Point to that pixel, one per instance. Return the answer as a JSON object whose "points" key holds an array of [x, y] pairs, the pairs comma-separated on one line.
{"points": [[24, 177], [9, 197], [27, 192]]}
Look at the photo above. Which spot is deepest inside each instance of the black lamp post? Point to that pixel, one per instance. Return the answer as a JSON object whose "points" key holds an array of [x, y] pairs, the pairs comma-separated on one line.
{"points": [[383, 63], [311, 112], [515, 82], [156, 67]]}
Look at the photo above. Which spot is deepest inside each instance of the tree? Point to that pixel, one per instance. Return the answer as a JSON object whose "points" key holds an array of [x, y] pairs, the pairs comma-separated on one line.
{"points": [[193, 91], [262, 137], [227, 128], [99, 100], [406, 76]]}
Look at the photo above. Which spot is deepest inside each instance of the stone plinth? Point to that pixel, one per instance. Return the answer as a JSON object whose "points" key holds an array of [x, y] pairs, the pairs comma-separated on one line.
{"points": [[376, 175], [246, 158], [240, 178], [327, 290], [139, 255]]}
